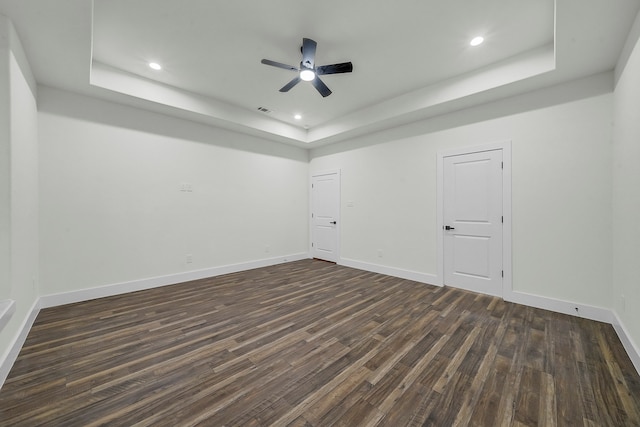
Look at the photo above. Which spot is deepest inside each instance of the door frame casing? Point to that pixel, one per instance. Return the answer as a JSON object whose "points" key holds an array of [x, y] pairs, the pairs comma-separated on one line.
{"points": [[505, 146], [339, 214]]}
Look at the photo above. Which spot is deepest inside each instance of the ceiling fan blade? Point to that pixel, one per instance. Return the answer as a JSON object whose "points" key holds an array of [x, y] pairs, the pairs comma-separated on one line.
{"points": [[308, 53], [322, 88], [344, 67], [289, 85], [279, 65]]}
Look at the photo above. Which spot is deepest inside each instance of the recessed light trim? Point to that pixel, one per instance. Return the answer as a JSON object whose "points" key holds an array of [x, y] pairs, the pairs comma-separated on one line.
{"points": [[476, 41], [297, 116], [155, 66]]}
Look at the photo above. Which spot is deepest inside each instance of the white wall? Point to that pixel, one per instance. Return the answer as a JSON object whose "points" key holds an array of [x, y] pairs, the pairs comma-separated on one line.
{"points": [[19, 193], [561, 160], [24, 190], [111, 205], [5, 162], [626, 197]]}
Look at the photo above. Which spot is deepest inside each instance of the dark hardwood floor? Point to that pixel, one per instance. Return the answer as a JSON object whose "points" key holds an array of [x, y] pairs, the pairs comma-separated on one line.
{"points": [[310, 343]]}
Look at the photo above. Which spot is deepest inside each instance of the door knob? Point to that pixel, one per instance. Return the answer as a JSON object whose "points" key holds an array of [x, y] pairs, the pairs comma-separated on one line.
{"points": [[446, 227], [332, 222]]}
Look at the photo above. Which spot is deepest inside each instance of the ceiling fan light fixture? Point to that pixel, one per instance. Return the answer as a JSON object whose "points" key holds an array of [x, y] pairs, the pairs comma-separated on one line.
{"points": [[476, 41], [307, 75]]}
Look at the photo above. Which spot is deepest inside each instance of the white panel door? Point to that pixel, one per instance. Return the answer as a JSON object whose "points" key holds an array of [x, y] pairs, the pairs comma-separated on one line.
{"points": [[325, 210], [472, 203]]}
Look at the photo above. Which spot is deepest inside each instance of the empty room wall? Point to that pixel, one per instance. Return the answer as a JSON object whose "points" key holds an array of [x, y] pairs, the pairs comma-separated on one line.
{"points": [[129, 195], [19, 187], [626, 197], [5, 161], [561, 198]]}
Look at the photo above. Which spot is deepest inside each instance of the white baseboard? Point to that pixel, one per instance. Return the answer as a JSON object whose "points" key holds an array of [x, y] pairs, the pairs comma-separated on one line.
{"points": [[632, 349], [7, 308], [430, 279], [10, 356], [559, 306], [54, 300]]}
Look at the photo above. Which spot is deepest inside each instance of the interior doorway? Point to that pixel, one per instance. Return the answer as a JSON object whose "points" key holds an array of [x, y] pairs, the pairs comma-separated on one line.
{"points": [[474, 220], [325, 216]]}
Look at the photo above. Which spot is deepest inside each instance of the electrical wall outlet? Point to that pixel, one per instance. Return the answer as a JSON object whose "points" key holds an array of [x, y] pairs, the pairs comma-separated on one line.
{"points": [[189, 258]]}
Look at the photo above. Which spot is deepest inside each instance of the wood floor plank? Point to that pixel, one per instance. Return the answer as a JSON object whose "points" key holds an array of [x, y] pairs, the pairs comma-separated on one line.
{"points": [[310, 343]]}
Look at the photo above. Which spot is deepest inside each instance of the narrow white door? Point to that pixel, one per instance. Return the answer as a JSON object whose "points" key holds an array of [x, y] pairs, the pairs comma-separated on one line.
{"points": [[325, 210], [472, 203]]}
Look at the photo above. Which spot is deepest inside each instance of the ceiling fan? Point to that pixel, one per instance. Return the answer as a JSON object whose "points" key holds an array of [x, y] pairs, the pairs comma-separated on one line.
{"points": [[308, 71]]}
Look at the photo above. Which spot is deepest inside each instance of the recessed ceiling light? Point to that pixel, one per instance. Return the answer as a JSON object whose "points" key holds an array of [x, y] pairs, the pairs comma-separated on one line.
{"points": [[155, 66], [298, 116], [476, 41]]}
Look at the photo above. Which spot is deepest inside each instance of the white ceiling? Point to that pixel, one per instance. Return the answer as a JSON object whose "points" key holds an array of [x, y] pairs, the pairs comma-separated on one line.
{"points": [[411, 58]]}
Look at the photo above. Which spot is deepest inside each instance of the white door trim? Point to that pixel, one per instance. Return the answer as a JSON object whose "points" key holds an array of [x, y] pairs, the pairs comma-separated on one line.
{"points": [[505, 146], [339, 214]]}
